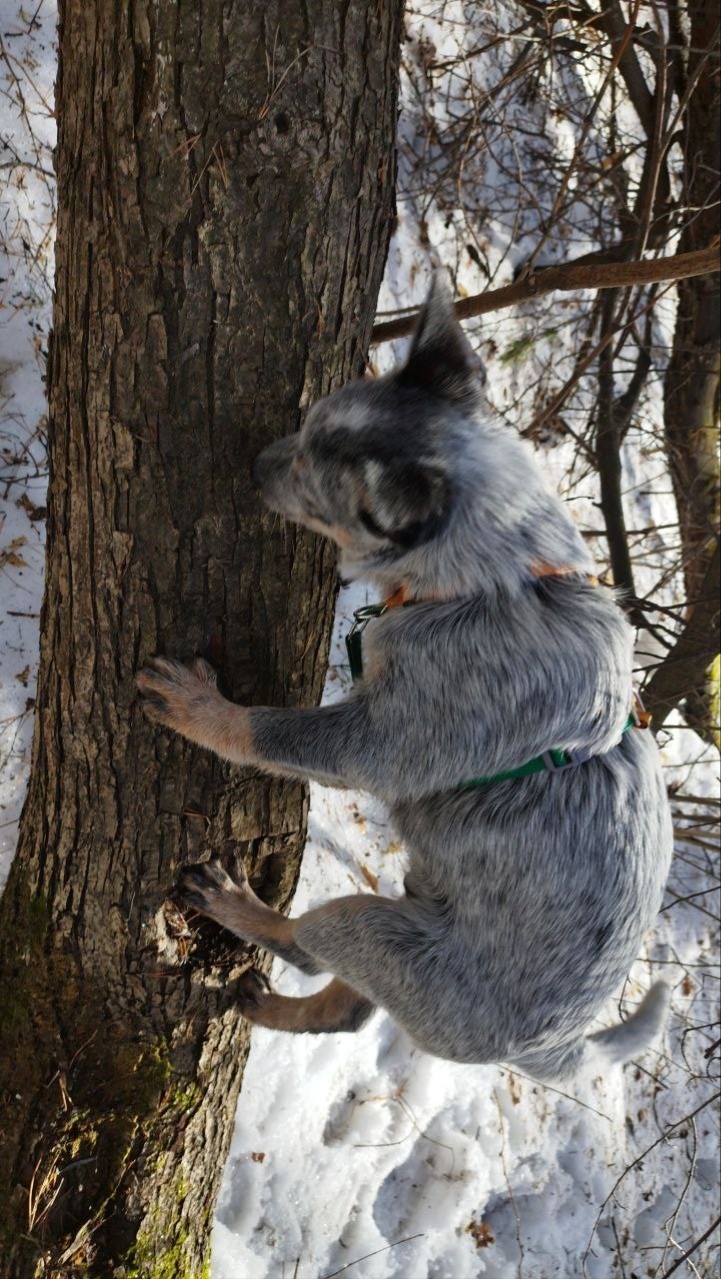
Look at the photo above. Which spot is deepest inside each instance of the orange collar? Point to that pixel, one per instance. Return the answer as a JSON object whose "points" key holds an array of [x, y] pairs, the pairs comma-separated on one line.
{"points": [[542, 569], [403, 595]]}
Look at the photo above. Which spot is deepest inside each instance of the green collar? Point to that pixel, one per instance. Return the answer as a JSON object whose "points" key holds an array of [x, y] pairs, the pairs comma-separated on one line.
{"points": [[551, 761]]}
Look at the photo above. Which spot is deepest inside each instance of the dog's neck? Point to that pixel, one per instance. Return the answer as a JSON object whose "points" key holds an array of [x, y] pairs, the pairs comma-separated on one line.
{"points": [[453, 568], [403, 593]]}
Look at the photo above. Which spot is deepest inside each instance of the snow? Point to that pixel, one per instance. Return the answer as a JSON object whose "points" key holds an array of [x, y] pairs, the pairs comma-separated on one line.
{"points": [[27, 133], [359, 1153]]}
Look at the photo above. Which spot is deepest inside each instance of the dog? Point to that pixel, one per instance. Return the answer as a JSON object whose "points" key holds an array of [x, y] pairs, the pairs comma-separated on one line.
{"points": [[527, 896]]}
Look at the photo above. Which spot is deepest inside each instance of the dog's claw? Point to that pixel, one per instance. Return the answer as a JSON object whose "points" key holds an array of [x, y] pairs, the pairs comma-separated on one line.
{"points": [[202, 884]]}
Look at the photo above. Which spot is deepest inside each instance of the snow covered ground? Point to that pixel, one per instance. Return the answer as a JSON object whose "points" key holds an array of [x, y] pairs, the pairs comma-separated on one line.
{"points": [[359, 1153], [27, 225]]}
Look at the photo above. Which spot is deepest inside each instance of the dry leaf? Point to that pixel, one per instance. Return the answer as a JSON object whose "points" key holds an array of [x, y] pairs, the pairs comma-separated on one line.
{"points": [[33, 512], [10, 556], [514, 1087], [369, 877], [481, 1234], [395, 846], [257, 1156]]}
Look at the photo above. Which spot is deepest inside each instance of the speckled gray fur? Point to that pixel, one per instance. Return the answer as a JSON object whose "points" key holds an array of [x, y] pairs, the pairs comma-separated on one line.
{"points": [[527, 900]]}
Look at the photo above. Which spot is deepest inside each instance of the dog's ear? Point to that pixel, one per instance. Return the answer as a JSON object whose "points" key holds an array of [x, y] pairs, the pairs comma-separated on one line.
{"points": [[405, 502], [440, 358]]}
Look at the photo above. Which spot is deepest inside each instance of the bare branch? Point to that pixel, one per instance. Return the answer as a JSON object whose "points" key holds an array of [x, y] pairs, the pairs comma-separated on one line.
{"points": [[625, 404], [694, 1247], [612, 22], [567, 278], [608, 456]]}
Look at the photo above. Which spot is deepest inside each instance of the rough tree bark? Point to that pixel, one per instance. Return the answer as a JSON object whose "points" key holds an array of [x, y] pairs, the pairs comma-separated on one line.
{"points": [[226, 184], [685, 665], [692, 378]]}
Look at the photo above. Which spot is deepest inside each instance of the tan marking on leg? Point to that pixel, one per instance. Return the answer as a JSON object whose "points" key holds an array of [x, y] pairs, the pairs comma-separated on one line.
{"points": [[186, 699], [336, 532], [252, 920], [337, 1007], [209, 888], [234, 906]]}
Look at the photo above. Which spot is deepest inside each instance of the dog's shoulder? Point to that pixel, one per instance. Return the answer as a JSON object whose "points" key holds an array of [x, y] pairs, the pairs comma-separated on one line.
{"points": [[504, 679], [481, 637]]}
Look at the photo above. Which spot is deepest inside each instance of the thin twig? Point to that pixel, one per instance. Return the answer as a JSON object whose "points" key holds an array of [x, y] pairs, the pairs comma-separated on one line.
{"points": [[377, 1252], [694, 1246]]}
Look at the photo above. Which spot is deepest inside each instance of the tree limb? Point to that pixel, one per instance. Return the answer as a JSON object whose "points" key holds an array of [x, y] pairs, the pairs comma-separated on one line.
{"points": [[608, 457], [684, 668], [567, 278], [613, 23], [624, 404]]}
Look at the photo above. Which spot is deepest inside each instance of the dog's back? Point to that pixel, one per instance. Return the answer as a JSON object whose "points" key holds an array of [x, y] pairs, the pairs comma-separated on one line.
{"points": [[533, 892]]}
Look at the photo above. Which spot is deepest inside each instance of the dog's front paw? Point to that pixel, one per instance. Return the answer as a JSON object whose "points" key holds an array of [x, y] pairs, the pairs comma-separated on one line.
{"points": [[178, 696], [208, 888]]}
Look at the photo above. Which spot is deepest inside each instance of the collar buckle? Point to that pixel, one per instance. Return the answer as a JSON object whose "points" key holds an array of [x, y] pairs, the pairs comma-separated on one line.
{"points": [[555, 760], [640, 716], [354, 638]]}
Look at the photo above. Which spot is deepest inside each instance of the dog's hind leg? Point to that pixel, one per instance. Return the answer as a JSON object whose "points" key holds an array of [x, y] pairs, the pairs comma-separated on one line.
{"points": [[399, 955], [334, 1008], [384, 951]]}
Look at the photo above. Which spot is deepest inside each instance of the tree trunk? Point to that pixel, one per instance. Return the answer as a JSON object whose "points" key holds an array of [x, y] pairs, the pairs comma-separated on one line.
{"points": [[684, 667], [226, 184], [692, 378]]}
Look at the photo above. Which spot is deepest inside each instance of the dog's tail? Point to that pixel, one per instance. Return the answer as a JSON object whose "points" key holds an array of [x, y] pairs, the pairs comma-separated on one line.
{"points": [[621, 1043]]}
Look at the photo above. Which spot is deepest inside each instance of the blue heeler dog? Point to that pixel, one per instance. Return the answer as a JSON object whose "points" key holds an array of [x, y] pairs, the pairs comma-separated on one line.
{"points": [[527, 897]]}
